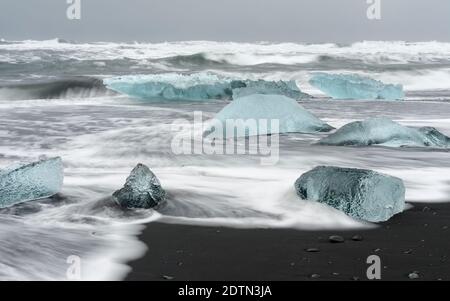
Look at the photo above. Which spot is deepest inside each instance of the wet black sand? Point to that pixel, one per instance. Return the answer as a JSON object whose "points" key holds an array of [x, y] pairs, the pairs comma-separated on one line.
{"points": [[416, 240]]}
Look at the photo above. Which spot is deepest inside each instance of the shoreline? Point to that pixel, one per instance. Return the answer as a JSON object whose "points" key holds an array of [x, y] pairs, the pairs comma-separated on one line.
{"points": [[413, 241]]}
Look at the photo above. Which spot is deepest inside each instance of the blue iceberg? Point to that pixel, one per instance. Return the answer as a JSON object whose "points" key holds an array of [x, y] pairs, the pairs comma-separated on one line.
{"points": [[172, 86], [383, 131], [38, 180], [142, 190], [359, 193], [253, 115], [353, 86], [198, 86]]}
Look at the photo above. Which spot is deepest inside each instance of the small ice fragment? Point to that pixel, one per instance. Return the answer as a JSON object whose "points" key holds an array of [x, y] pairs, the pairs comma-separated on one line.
{"points": [[141, 190]]}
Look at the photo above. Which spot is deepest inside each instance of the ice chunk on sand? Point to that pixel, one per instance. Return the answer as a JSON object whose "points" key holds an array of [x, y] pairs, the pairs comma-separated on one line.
{"points": [[286, 88], [383, 131], [198, 86], [142, 190], [362, 194], [353, 86], [256, 112], [29, 182]]}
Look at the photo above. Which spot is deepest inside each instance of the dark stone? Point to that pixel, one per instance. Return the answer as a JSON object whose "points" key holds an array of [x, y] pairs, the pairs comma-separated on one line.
{"points": [[357, 238]]}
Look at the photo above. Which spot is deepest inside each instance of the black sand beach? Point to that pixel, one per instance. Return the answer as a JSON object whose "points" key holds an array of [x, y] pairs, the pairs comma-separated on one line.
{"points": [[414, 241]]}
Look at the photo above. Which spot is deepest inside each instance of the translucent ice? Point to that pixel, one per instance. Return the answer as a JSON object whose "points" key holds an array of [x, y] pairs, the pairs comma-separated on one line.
{"points": [[353, 86], [198, 86], [172, 86], [142, 190], [257, 111], [383, 131], [362, 194], [29, 182], [289, 89]]}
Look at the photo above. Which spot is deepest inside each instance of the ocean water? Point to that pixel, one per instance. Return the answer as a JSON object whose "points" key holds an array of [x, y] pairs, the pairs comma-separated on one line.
{"points": [[53, 103]]}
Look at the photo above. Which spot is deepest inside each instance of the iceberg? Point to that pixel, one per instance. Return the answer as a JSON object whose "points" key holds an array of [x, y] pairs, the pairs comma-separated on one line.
{"points": [[256, 113], [172, 86], [353, 86], [359, 193], [23, 183], [141, 190], [286, 88], [383, 131], [199, 86]]}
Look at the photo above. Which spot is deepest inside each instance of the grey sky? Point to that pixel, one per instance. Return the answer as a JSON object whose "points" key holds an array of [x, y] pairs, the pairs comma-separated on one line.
{"points": [[226, 20]]}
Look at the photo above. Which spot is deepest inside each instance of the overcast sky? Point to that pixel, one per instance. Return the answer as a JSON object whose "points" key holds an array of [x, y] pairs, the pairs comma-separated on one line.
{"points": [[226, 20]]}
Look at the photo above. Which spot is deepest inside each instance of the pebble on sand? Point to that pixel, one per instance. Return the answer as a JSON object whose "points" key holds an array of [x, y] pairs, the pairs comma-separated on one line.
{"points": [[357, 237], [414, 275], [336, 239], [312, 250]]}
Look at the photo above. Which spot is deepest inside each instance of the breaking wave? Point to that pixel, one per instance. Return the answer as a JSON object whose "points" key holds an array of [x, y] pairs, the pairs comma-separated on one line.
{"points": [[242, 54], [77, 87]]}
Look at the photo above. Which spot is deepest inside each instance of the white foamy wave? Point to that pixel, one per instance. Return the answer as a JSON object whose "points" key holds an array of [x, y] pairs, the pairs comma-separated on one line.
{"points": [[235, 53], [175, 79], [48, 247], [79, 225], [249, 59], [419, 80]]}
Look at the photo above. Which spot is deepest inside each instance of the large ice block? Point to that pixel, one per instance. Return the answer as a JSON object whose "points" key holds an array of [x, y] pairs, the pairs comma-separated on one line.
{"points": [[30, 182], [172, 86], [353, 86], [142, 190], [383, 131], [362, 194], [257, 111], [197, 86]]}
